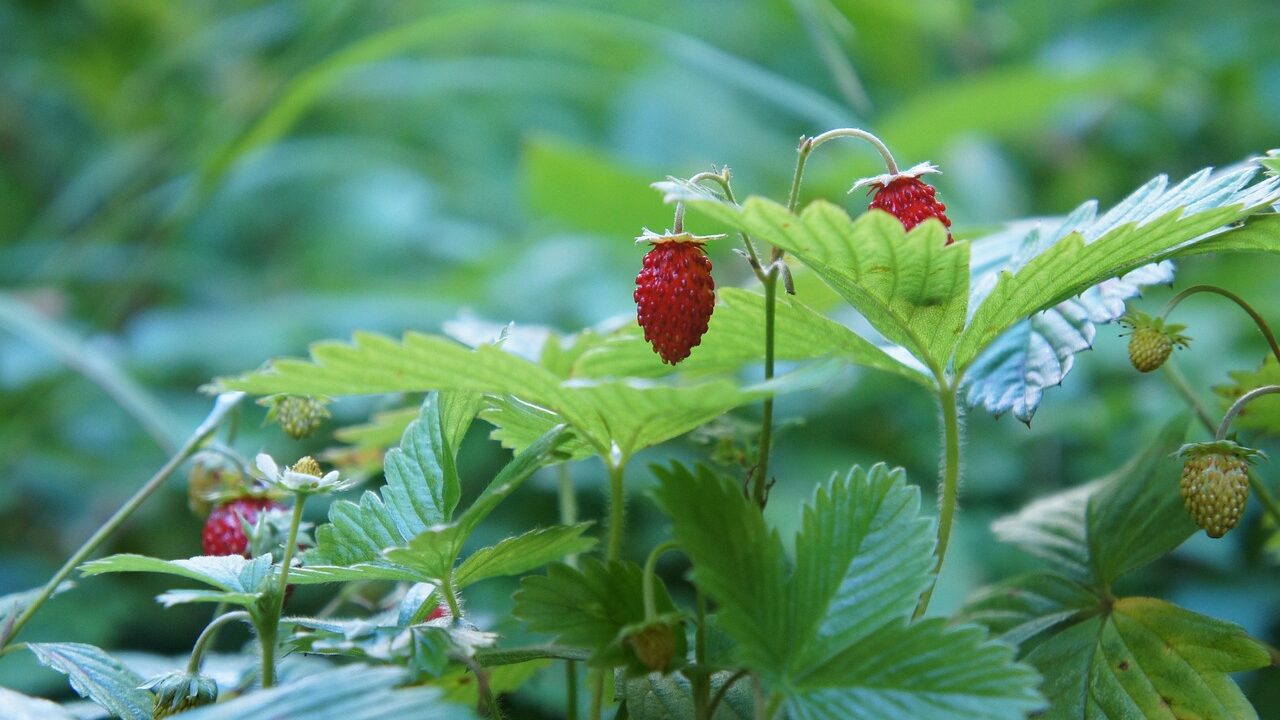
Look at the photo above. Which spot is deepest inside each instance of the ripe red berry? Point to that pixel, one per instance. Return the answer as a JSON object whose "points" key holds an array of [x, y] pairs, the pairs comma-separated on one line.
{"points": [[223, 534], [674, 295], [440, 611], [905, 196]]}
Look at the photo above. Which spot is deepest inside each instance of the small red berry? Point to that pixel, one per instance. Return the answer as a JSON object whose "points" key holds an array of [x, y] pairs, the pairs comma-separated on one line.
{"points": [[905, 196], [223, 534], [439, 612], [675, 294]]}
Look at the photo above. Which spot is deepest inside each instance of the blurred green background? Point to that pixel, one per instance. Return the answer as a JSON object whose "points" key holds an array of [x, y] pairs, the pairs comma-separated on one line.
{"points": [[188, 188]]}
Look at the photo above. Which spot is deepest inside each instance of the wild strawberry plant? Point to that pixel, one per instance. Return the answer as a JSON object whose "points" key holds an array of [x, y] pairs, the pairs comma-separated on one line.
{"points": [[830, 623]]}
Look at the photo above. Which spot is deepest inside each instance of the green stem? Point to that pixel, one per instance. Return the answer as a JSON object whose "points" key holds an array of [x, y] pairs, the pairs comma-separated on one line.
{"points": [[724, 690], [703, 708], [1238, 405], [808, 145], [485, 690], [1179, 382], [647, 579], [295, 521], [569, 516], [722, 178], [222, 406], [617, 511], [571, 690], [210, 632], [760, 479], [269, 627], [446, 588], [947, 400], [1257, 319]]}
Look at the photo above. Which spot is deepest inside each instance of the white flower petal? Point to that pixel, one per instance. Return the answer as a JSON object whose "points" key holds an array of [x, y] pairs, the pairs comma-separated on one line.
{"points": [[268, 466]]}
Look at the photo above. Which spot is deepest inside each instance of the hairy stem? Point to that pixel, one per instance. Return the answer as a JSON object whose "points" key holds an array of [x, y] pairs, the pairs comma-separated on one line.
{"points": [[267, 628], [1257, 319], [1238, 405], [950, 494], [647, 579], [617, 512], [760, 478], [224, 404], [722, 179], [571, 690], [209, 633]]}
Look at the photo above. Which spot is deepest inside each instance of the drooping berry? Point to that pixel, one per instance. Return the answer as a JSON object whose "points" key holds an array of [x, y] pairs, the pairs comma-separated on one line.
{"points": [[675, 294], [1215, 484], [223, 533], [905, 196], [1151, 341], [298, 416], [177, 692]]}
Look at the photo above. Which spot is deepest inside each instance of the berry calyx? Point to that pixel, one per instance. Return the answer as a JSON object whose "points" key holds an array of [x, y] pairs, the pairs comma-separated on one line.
{"points": [[176, 692], [675, 293], [905, 196], [1215, 483], [224, 529], [1151, 341]]}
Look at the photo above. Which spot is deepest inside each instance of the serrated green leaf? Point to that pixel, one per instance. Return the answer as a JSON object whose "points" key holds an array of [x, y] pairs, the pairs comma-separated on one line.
{"points": [[518, 424], [589, 605], [670, 697], [421, 490], [23, 707], [1097, 532], [1151, 225], [1022, 608], [735, 337], [95, 675], [832, 635], [354, 692], [1147, 658], [616, 418], [912, 287], [1259, 233], [229, 573], [522, 553], [1263, 413], [383, 430]]}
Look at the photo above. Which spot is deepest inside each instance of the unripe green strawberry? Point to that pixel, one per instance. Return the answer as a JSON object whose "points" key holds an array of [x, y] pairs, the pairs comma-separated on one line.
{"points": [[1151, 340], [1215, 484], [298, 416], [176, 692]]}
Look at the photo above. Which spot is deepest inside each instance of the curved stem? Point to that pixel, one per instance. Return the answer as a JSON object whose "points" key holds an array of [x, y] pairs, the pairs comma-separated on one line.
{"points": [[617, 512], [950, 484], [1257, 319], [724, 690], [222, 406], [677, 223], [722, 178], [1179, 382], [807, 145], [647, 579], [210, 632], [1238, 405]]}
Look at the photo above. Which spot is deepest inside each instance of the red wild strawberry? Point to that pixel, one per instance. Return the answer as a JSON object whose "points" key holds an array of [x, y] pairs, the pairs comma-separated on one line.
{"points": [[675, 294], [905, 196], [223, 533]]}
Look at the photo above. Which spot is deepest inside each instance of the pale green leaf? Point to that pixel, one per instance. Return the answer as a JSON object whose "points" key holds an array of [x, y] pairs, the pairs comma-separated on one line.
{"points": [[1023, 608], [1147, 658], [1259, 233], [1151, 225], [1261, 414], [354, 692], [229, 573], [670, 697], [735, 337], [912, 287], [522, 553], [518, 424], [184, 597], [95, 675]]}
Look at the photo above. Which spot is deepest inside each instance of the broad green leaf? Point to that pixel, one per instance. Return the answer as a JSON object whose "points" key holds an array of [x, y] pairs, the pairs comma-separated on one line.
{"points": [[588, 605], [832, 635], [354, 692], [1149, 226], [23, 707], [373, 541], [1263, 413], [1259, 233], [95, 675], [735, 337], [1097, 532], [670, 697], [1021, 609], [522, 553], [229, 573], [912, 287], [1147, 658], [616, 418], [421, 490], [382, 431], [518, 424]]}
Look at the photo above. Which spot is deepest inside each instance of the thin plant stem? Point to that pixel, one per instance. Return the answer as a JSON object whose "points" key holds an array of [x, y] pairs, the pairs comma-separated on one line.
{"points": [[224, 404], [209, 633], [295, 521], [451, 598], [724, 690], [269, 627], [950, 484], [571, 690], [703, 708], [1179, 382], [809, 144], [617, 511], [485, 690], [1239, 404], [1257, 319], [760, 478], [722, 178], [647, 579], [569, 516]]}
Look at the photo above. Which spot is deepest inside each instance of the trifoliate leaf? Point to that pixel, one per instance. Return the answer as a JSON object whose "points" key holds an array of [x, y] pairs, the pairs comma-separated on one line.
{"points": [[833, 634], [95, 675]]}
